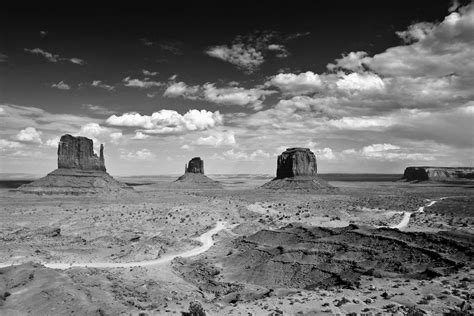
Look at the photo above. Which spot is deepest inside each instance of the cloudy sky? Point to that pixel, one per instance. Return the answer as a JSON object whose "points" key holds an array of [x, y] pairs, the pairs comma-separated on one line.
{"points": [[367, 88]]}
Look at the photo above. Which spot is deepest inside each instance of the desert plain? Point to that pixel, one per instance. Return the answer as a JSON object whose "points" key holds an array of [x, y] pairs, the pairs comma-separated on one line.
{"points": [[266, 252]]}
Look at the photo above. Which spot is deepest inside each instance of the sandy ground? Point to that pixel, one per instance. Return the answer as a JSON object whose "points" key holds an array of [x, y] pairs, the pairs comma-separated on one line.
{"points": [[162, 222]]}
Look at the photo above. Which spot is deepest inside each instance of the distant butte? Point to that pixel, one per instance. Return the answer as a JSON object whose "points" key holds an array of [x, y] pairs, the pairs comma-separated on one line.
{"points": [[194, 177], [297, 170], [439, 174], [80, 171]]}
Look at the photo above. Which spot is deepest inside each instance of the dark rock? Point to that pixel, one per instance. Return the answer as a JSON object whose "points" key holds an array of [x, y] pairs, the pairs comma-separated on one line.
{"points": [[78, 153], [438, 174], [297, 170], [195, 165], [296, 162]]}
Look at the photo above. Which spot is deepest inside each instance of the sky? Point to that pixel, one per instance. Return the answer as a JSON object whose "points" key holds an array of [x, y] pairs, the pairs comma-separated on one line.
{"points": [[369, 88]]}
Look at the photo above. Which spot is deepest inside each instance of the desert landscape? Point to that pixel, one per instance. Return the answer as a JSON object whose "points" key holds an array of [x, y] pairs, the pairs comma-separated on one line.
{"points": [[297, 245]]}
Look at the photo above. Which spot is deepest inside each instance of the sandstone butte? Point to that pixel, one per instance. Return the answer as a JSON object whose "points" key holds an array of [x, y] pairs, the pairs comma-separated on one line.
{"points": [[194, 176], [80, 171], [297, 169], [441, 174]]}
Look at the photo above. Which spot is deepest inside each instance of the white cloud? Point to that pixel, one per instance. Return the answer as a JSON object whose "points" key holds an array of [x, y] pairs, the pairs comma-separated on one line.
{"points": [[217, 139], [303, 83], [389, 152], [352, 61], [3, 58], [115, 137], [52, 142], [244, 57], [98, 109], [139, 135], [8, 144], [149, 73], [61, 86], [360, 81], [243, 156], [30, 135], [142, 154], [235, 95], [281, 51], [177, 89], [93, 130], [168, 121], [100, 84], [363, 122], [144, 84], [54, 58]]}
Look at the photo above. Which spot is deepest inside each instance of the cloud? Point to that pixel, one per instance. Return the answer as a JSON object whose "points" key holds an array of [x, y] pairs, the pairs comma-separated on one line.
{"points": [[29, 135], [3, 58], [360, 81], [168, 121], [142, 154], [244, 156], [8, 144], [61, 86], [292, 84], [43, 33], [97, 109], [144, 84], [177, 89], [149, 73], [52, 142], [281, 51], [93, 130], [244, 57], [115, 137], [353, 61], [99, 84], [139, 135], [389, 152], [217, 139], [54, 58]]}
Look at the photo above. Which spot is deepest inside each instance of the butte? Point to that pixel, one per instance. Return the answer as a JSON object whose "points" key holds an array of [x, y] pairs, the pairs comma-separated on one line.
{"points": [[297, 170], [194, 177], [80, 171]]}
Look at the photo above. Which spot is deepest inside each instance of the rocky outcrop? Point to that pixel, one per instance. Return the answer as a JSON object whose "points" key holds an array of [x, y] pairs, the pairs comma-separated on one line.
{"points": [[195, 165], [80, 171], [297, 170], [78, 153], [295, 162], [438, 174], [194, 178]]}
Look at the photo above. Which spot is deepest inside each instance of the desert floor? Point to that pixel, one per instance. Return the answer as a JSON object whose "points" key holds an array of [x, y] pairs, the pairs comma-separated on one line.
{"points": [[104, 252]]}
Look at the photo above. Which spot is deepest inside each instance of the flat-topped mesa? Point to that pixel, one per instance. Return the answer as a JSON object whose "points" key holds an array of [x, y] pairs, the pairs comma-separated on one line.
{"points": [[195, 165], [78, 153], [296, 162], [297, 170], [438, 174]]}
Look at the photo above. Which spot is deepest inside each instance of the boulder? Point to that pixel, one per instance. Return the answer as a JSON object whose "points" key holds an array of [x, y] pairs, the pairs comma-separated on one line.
{"points": [[195, 165], [78, 153], [80, 171], [442, 174], [297, 170]]}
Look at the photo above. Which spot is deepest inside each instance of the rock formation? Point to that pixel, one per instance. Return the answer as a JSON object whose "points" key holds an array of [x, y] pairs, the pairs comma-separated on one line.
{"points": [[194, 177], [195, 165], [297, 170], [443, 174], [80, 171], [78, 153]]}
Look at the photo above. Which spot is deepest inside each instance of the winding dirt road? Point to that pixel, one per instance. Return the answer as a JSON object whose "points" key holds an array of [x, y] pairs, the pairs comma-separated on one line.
{"points": [[206, 240], [406, 215]]}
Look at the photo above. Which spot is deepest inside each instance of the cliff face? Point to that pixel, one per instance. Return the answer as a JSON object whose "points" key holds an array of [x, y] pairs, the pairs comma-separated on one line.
{"points": [[78, 153], [296, 162], [297, 170], [195, 165], [438, 173]]}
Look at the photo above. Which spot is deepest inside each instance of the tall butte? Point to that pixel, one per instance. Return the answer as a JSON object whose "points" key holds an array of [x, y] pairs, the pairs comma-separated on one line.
{"points": [[80, 171], [297, 170], [194, 177]]}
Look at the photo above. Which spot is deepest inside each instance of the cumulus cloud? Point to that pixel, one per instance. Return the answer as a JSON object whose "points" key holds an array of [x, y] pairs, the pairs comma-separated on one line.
{"points": [[139, 135], [149, 73], [61, 86], [388, 152], [177, 89], [52, 142], [143, 84], [115, 137], [244, 156], [281, 51], [217, 139], [244, 57], [360, 81], [29, 135], [296, 84], [100, 84], [8, 144], [54, 58], [93, 130], [168, 121], [142, 154]]}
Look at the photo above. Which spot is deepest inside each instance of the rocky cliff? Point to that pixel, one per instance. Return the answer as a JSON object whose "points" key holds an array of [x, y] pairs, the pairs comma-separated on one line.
{"points": [[297, 170], [78, 153], [80, 171], [195, 165], [439, 174]]}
